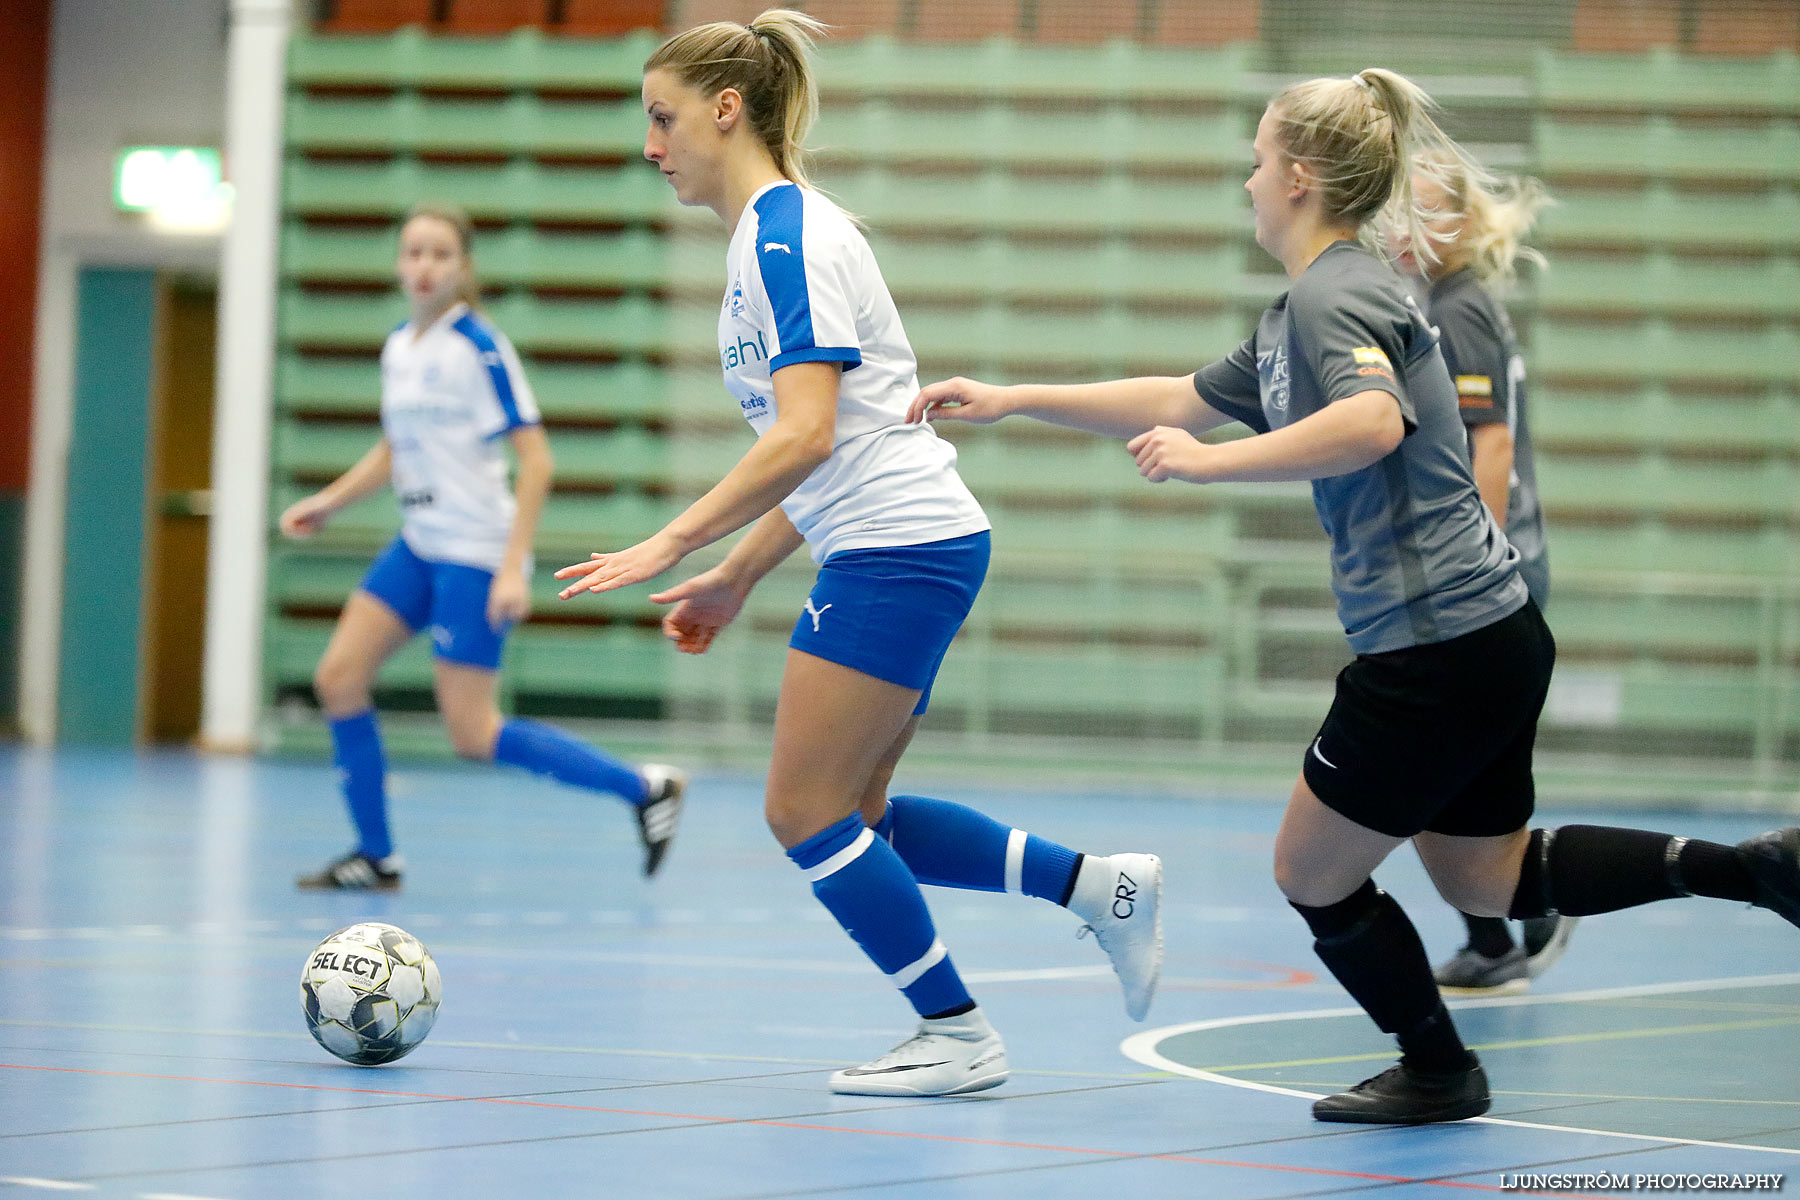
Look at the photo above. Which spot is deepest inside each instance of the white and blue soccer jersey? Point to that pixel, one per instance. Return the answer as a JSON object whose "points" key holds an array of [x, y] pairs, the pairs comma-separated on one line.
{"points": [[803, 287], [448, 398]]}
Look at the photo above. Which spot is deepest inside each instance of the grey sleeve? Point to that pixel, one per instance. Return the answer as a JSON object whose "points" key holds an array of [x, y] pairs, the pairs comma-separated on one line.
{"points": [[1233, 386], [1352, 335], [1476, 355]]}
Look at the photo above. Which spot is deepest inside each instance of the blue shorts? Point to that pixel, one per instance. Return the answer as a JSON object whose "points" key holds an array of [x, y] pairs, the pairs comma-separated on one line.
{"points": [[449, 597], [891, 611]]}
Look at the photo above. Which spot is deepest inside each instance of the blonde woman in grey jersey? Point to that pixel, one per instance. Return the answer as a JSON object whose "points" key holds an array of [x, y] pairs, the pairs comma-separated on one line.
{"points": [[1430, 735], [1477, 222]]}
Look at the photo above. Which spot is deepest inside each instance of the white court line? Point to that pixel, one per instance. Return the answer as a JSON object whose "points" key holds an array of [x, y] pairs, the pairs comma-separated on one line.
{"points": [[1142, 1047], [171, 1196], [49, 1185]]}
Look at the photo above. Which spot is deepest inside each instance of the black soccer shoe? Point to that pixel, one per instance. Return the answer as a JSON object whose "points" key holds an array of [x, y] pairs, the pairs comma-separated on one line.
{"points": [[1403, 1095], [660, 812], [355, 872], [1773, 860]]}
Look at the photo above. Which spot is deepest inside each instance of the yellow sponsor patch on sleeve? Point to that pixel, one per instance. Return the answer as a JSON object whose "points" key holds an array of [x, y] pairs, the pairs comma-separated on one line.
{"points": [[1371, 356], [1475, 391]]}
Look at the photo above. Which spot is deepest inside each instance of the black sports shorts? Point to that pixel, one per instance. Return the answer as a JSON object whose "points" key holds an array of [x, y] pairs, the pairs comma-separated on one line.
{"points": [[1438, 737]]}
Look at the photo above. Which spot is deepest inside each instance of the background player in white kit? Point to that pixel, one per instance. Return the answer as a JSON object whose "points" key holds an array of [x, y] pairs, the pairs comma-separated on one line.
{"points": [[452, 389], [815, 356]]}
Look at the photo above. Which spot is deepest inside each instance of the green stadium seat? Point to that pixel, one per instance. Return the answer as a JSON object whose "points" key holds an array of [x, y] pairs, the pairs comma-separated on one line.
{"points": [[990, 132], [1665, 81], [515, 124], [1655, 417], [1657, 148], [1659, 215], [1654, 350], [1647, 546], [997, 68], [1652, 484], [1660, 283], [628, 457], [1043, 271], [335, 385], [575, 524], [628, 326], [630, 193], [524, 59]]}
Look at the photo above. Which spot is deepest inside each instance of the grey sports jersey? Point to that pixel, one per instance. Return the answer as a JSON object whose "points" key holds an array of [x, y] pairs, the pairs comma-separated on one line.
{"points": [[1482, 354], [1415, 557]]}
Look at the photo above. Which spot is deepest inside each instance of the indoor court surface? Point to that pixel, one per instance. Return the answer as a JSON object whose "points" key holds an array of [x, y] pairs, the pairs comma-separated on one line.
{"points": [[604, 1036]]}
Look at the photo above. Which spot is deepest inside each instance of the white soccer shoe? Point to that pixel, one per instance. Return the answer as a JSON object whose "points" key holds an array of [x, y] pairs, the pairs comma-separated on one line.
{"points": [[661, 811], [947, 1057], [1120, 898]]}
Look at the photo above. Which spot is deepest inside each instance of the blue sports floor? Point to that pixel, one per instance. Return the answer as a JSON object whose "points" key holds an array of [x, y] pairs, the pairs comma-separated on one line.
{"points": [[603, 1036]]}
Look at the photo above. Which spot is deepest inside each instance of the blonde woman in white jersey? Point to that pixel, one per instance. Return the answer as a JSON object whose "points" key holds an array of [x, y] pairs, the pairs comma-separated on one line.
{"points": [[452, 391], [814, 354]]}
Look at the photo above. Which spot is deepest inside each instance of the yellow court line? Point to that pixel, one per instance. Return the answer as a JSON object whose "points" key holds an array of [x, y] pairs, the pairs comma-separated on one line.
{"points": [[1529, 1043]]}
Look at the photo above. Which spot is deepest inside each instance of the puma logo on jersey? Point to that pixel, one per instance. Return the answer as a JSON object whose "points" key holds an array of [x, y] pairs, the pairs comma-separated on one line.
{"points": [[1125, 897], [815, 613], [781, 246]]}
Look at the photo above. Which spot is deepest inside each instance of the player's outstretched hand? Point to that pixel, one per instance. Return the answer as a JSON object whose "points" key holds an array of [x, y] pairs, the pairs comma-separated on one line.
{"points": [[1167, 453], [959, 399], [704, 605], [306, 516], [609, 572]]}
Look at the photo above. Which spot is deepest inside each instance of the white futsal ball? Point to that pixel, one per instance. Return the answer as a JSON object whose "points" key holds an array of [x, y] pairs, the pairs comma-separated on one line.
{"points": [[370, 993]]}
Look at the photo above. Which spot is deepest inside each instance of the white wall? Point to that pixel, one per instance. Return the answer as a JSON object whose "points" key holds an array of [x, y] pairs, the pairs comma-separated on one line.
{"points": [[122, 72]]}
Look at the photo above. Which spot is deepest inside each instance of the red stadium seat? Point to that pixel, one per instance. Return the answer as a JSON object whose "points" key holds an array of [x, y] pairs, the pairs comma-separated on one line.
{"points": [[685, 14], [857, 18], [1085, 21], [1627, 24], [1206, 22], [1747, 27], [376, 16], [495, 16], [965, 20], [608, 18]]}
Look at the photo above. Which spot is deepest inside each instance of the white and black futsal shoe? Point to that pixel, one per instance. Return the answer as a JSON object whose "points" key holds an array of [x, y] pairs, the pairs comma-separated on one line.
{"points": [[355, 872], [1120, 898], [660, 812], [947, 1057]]}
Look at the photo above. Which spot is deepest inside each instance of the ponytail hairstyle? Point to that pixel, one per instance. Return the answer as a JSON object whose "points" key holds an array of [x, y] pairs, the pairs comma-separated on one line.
{"points": [[769, 63], [1497, 211], [457, 219], [1361, 138]]}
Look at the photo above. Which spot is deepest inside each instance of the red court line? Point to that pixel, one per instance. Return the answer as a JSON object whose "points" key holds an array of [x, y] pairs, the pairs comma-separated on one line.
{"points": [[776, 1124]]}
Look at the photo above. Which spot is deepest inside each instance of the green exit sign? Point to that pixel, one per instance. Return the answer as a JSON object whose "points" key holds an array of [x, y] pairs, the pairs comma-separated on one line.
{"points": [[164, 178]]}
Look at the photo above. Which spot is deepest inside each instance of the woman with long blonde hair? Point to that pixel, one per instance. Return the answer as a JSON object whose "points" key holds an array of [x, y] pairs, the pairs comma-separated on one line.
{"points": [[815, 357], [1430, 735]]}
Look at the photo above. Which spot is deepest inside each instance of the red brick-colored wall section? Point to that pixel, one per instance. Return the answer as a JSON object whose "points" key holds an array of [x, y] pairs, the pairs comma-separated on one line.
{"points": [[1205, 22], [1747, 27], [1628, 25], [24, 64]]}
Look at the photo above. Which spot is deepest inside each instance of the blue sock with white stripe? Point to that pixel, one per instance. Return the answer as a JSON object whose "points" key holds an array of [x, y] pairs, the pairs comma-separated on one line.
{"points": [[952, 845], [862, 882], [362, 771], [547, 750]]}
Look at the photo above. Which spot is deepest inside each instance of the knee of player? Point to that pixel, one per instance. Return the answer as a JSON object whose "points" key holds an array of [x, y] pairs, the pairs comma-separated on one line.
{"points": [[337, 681], [472, 740]]}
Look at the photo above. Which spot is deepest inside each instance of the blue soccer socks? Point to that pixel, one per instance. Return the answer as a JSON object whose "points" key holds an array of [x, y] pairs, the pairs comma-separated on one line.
{"points": [[953, 845], [547, 750], [862, 882], [362, 770]]}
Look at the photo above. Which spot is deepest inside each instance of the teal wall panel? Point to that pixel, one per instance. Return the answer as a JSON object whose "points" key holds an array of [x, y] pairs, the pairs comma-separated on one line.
{"points": [[103, 540], [12, 553]]}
